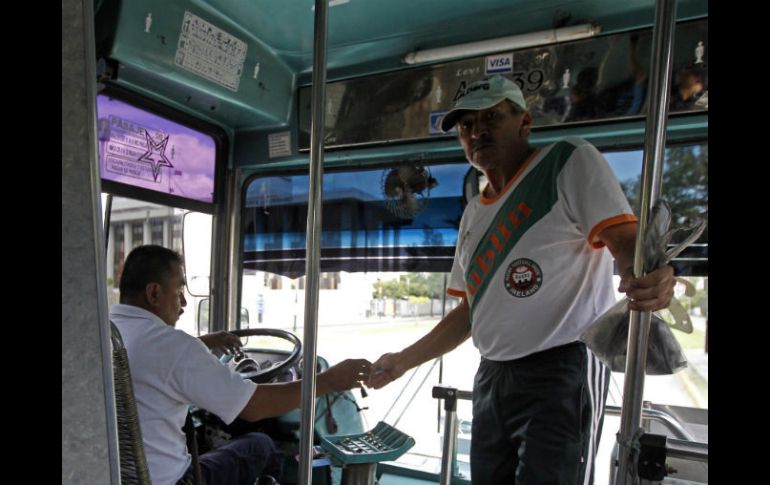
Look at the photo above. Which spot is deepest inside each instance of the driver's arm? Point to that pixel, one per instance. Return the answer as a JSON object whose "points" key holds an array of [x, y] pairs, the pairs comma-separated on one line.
{"points": [[270, 400]]}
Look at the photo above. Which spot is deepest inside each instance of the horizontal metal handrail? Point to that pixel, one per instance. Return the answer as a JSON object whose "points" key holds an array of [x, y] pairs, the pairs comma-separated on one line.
{"points": [[689, 450], [684, 446], [465, 395], [662, 417]]}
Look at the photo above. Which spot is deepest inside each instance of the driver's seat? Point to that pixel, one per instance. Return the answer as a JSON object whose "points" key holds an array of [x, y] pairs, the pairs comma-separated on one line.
{"points": [[133, 462]]}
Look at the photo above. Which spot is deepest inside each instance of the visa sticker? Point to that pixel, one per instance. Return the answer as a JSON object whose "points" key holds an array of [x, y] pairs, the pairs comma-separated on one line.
{"points": [[435, 123], [498, 64]]}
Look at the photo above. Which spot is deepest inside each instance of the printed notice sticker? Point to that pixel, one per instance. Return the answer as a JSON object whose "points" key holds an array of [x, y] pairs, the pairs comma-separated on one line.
{"points": [[279, 144], [210, 52]]}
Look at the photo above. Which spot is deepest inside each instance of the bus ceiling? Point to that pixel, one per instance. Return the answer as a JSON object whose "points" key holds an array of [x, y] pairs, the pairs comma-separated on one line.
{"points": [[239, 66]]}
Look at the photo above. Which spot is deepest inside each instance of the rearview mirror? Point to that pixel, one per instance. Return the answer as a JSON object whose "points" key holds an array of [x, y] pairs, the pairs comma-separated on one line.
{"points": [[203, 317]]}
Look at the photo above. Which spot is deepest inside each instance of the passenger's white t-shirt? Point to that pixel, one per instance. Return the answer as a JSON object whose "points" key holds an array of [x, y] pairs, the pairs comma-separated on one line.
{"points": [[171, 370], [541, 276]]}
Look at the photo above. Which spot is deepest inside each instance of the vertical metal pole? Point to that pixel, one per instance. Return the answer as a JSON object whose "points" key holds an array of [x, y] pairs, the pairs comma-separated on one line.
{"points": [[107, 216], [224, 244], [313, 248], [441, 357], [652, 172], [234, 252], [450, 440]]}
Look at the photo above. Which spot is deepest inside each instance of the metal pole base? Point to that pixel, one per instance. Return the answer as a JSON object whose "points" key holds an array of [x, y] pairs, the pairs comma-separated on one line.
{"points": [[360, 474]]}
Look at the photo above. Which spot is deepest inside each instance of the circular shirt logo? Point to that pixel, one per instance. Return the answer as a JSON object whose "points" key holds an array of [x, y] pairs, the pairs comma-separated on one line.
{"points": [[523, 278]]}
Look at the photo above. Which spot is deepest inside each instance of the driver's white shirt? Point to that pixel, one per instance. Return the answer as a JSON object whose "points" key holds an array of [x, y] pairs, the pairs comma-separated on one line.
{"points": [[171, 370]]}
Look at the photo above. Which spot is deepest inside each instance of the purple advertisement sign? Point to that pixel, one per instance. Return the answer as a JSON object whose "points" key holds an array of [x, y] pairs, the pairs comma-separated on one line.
{"points": [[144, 150]]}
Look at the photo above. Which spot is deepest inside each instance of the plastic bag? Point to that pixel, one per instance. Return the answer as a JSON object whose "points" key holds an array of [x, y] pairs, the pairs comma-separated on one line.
{"points": [[607, 337]]}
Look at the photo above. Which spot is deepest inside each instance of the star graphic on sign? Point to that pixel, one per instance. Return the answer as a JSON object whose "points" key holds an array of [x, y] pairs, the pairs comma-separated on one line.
{"points": [[155, 155]]}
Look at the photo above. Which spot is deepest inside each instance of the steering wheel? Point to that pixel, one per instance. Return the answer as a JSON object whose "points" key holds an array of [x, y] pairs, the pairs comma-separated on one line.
{"points": [[250, 369]]}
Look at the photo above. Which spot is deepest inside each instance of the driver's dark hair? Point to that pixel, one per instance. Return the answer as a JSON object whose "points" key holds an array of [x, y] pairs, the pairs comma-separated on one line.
{"points": [[147, 264]]}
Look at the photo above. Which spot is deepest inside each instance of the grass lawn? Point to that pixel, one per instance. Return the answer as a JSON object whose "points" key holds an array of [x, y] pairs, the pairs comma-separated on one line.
{"points": [[694, 340]]}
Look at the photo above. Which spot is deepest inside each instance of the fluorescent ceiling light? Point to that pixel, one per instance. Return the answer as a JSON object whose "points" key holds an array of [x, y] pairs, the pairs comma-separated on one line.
{"points": [[501, 44]]}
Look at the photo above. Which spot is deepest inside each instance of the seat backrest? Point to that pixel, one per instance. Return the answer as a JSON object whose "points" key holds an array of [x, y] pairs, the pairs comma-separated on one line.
{"points": [[133, 462]]}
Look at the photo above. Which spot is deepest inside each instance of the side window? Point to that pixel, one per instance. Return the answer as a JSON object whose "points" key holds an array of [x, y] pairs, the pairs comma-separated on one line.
{"points": [[134, 223], [685, 187]]}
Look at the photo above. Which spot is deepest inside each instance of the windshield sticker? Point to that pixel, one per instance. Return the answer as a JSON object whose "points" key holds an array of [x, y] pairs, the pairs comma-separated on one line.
{"points": [[144, 150], [134, 150]]}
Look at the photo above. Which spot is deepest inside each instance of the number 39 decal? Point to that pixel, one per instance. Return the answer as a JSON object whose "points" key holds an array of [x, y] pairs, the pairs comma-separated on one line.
{"points": [[529, 80]]}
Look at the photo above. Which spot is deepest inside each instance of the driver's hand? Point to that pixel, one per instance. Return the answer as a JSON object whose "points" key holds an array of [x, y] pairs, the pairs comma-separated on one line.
{"points": [[346, 375], [222, 341]]}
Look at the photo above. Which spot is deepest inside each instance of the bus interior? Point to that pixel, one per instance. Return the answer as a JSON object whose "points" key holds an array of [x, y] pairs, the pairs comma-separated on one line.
{"points": [[200, 119]]}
